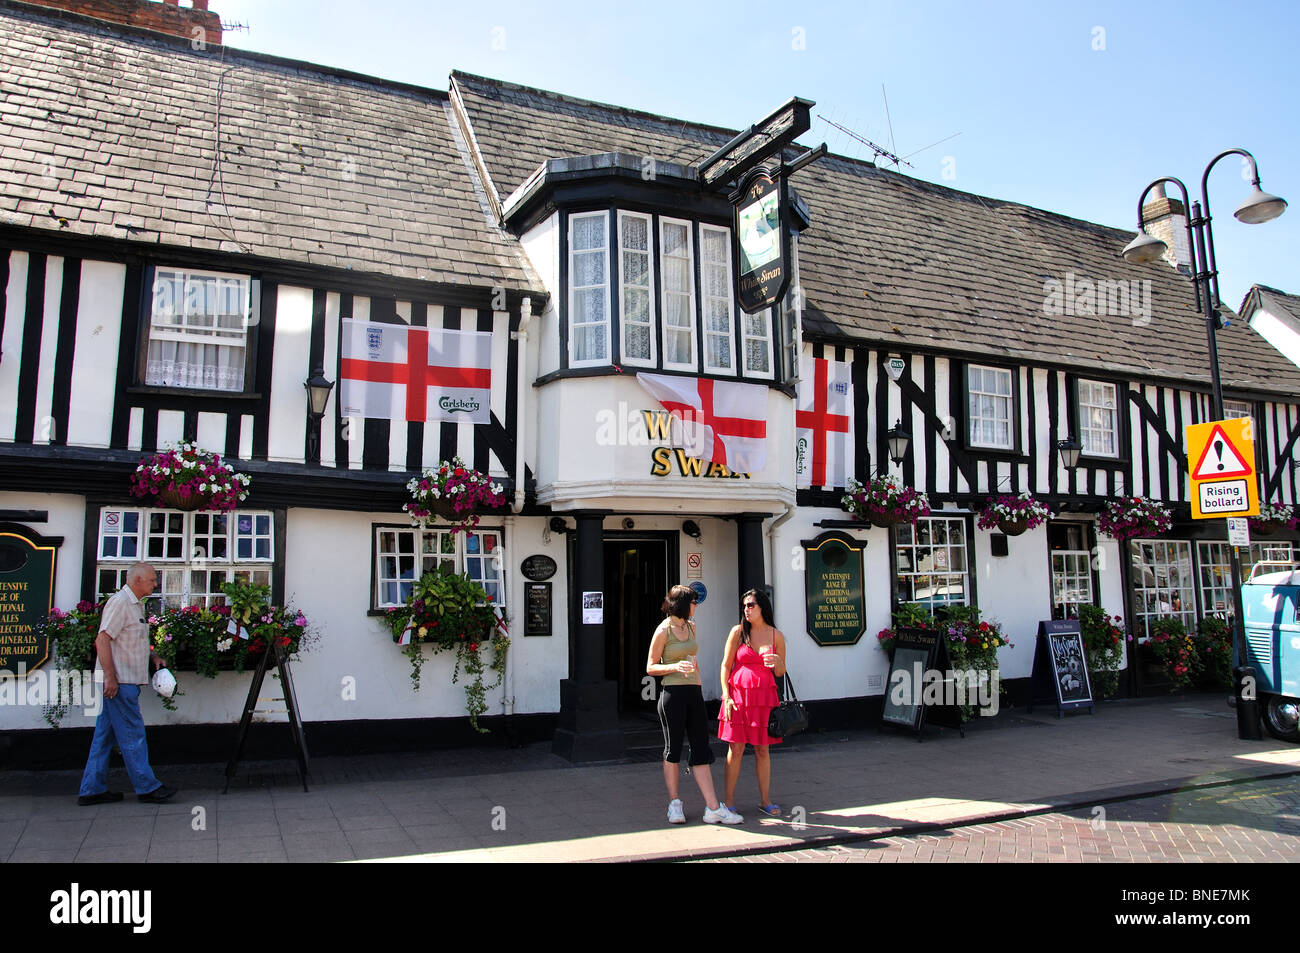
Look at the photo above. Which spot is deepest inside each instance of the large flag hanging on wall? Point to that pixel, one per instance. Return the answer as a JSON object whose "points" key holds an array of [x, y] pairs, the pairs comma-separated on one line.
{"points": [[823, 422], [719, 421], [398, 372]]}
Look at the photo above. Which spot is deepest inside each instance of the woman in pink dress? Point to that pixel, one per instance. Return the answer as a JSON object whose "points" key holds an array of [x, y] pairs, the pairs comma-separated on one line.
{"points": [[754, 657]]}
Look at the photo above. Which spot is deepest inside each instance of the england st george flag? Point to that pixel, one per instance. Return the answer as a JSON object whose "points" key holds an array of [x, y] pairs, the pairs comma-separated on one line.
{"points": [[823, 423], [722, 422], [398, 372]]}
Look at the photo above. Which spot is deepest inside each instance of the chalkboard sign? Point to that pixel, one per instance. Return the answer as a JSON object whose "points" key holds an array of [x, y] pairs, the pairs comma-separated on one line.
{"points": [[916, 652], [1061, 667], [538, 568], [537, 608]]}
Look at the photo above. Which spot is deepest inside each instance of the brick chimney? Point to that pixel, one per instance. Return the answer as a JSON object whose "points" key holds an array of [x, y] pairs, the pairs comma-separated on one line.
{"points": [[1166, 219], [167, 16]]}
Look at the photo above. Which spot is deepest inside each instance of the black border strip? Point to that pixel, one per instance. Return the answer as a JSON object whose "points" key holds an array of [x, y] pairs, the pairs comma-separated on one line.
{"points": [[29, 360], [65, 350]]}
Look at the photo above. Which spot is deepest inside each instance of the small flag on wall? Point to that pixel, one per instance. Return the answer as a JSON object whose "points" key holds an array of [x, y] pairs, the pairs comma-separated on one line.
{"points": [[398, 372], [823, 423], [720, 421]]}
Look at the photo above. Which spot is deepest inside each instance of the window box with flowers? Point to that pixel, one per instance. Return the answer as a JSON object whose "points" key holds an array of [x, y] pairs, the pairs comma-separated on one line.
{"points": [[885, 501], [972, 642], [1013, 515], [454, 492], [188, 477], [189, 638], [1134, 517], [452, 612], [1272, 518]]}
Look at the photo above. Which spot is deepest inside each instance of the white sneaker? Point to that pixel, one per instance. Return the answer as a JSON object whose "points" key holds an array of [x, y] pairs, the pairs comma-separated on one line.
{"points": [[675, 813], [723, 815]]}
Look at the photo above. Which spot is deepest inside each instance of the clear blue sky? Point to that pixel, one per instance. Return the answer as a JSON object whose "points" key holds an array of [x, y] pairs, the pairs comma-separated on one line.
{"points": [[1069, 107]]}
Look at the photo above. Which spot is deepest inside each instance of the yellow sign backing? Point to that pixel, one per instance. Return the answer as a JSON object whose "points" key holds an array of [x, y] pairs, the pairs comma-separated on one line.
{"points": [[1221, 464]]}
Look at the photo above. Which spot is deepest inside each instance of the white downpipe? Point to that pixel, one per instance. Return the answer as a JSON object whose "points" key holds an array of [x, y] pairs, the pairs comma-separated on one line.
{"points": [[522, 405], [771, 540]]}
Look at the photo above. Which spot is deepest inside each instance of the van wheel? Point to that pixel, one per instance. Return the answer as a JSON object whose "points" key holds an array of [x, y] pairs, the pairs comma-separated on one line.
{"points": [[1281, 717]]}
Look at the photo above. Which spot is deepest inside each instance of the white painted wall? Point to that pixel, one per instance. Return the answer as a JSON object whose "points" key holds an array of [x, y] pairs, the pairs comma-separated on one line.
{"points": [[94, 362], [288, 417], [541, 244]]}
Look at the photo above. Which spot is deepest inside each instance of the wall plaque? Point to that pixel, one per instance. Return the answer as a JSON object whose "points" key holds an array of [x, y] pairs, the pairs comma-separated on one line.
{"points": [[833, 591], [537, 608], [26, 596], [538, 568]]}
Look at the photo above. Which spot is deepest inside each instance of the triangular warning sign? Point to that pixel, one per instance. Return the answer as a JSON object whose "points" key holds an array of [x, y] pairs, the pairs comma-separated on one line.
{"points": [[1220, 459]]}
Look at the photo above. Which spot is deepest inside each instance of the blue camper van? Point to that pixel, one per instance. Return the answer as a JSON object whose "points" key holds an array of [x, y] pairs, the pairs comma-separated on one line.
{"points": [[1271, 601]]}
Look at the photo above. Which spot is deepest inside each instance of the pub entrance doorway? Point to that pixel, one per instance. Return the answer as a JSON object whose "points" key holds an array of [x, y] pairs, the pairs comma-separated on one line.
{"points": [[636, 580]]}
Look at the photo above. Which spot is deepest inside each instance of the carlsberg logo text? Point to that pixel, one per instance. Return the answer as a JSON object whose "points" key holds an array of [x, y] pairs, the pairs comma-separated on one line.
{"points": [[458, 405]]}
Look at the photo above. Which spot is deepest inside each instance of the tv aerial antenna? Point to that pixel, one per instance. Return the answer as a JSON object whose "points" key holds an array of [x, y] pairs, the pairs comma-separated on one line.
{"points": [[880, 151]]}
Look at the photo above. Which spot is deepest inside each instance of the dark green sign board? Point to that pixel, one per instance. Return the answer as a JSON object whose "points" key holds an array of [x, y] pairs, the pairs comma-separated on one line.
{"points": [[26, 596], [833, 592]]}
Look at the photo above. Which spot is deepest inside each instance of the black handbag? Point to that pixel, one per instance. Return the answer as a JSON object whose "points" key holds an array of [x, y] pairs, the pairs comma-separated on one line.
{"points": [[789, 717]]}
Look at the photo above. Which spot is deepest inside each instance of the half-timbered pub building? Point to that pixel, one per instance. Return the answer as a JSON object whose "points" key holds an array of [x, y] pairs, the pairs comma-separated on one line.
{"points": [[587, 242]]}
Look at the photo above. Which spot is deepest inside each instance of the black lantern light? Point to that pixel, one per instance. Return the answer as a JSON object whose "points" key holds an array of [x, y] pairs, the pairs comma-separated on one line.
{"points": [[898, 440]]}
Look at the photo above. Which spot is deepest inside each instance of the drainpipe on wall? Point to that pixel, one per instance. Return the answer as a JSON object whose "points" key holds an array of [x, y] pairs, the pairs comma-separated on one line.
{"points": [[508, 677], [771, 542], [521, 418]]}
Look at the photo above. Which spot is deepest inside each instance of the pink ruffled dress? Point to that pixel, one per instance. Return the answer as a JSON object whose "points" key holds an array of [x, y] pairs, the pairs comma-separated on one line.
{"points": [[753, 689]]}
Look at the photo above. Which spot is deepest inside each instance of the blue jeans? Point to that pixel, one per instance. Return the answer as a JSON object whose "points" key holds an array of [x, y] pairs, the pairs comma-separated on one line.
{"points": [[120, 722]]}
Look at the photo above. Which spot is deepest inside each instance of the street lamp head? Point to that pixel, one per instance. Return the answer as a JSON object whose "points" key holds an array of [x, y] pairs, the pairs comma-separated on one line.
{"points": [[897, 438], [1144, 248], [1260, 207]]}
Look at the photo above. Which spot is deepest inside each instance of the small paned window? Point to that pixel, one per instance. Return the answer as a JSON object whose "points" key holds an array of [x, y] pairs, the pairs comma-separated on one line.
{"points": [[930, 562], [990, 407], [677, 276], [197, 336], [403, 555], [588, 289], [1098, 419], [719, 311], [636, 272]]}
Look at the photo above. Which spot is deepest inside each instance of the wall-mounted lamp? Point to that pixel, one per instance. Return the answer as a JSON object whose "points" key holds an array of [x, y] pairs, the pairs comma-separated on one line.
{"points": [[692, 529], [557, 524], [318, 397], [898, 440], [1069, 452]]}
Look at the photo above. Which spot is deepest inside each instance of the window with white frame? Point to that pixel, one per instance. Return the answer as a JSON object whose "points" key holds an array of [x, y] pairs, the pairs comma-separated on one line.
{"points": [[198, 329], [677, 294], [404, 554], [588, 289], [1098, 419], [1071, 582], [930, 562], [1237, 408], [756, 339], [1216, 570], [636, 274], [990, 407], [1162, 582], [718, 308], [194, 553]]}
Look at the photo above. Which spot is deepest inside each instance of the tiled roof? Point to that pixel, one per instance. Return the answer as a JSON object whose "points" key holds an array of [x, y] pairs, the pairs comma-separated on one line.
{"points": [[112, 132], [904, 263]]}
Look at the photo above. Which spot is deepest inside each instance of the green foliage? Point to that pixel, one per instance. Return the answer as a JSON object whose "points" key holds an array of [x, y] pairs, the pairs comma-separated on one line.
{"points": [[1214, 645], [450, 611], [1103, 641], [1175, 648]]}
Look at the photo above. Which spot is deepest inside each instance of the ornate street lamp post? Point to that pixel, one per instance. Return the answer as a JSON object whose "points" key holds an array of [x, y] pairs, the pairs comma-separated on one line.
{"points": [[1259, 207]]}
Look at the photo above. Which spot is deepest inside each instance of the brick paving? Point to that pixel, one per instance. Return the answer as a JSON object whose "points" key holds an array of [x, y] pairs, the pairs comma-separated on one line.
{"points": [[1242, 822]]}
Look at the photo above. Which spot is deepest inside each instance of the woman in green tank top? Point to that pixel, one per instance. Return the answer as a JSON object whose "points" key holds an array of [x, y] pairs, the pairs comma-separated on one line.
{"points": [[673, 652]]}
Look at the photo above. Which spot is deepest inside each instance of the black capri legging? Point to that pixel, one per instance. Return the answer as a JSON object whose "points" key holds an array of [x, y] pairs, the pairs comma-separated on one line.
{"points": [[682, 715]]}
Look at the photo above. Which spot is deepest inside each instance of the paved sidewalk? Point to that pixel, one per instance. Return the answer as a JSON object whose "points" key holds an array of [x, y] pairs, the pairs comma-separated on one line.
{"points": [[527, 805]]}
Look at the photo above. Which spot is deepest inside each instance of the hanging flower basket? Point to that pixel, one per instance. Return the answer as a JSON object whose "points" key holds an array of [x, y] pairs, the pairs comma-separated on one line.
{"points": [[452, 612], [1134, 517], [189, 478], [1013, 515], [884, 502], [1273, 518], [453, 492]]}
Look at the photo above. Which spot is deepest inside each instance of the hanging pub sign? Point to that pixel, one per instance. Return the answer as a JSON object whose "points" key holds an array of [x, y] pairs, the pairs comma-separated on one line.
{"points": [[834, 595], [760, 222], [26, 596]]}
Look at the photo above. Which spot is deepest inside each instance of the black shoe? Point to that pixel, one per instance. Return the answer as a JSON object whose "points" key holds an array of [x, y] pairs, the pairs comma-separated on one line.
{"points": [[157, 796], [103, 797]]}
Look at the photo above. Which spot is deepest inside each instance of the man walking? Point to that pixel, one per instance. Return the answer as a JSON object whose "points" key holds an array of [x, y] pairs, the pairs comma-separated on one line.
{"points": [[124, 652]]}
